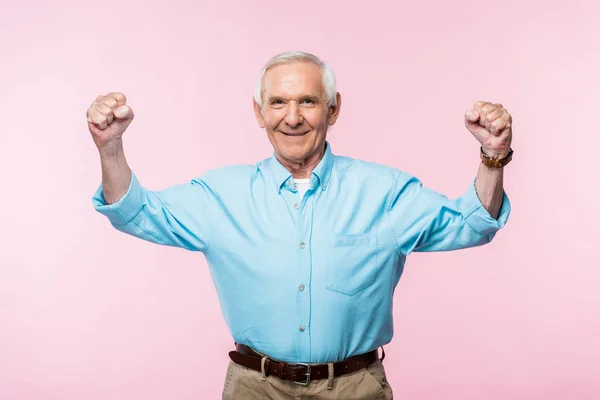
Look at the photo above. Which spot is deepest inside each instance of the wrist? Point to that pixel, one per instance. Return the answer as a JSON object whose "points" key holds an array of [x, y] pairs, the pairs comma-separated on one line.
{"points": [[495, 154], [111, 150], [497, 160]]}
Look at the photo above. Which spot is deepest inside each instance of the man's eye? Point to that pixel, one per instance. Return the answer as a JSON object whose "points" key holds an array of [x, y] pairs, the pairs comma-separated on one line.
{"points": [[277, 102], [307, 101]]}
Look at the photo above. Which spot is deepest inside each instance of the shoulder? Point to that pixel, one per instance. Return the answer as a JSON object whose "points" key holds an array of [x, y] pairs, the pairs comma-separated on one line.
{"points": [[371, 175], [346, 166], [227, 175]]}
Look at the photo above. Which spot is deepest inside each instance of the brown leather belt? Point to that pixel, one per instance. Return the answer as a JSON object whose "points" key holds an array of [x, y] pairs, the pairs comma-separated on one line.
{"points": [[300, 373]]}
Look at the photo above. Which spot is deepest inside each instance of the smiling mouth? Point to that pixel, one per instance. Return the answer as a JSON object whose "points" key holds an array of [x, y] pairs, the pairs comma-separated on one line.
{"points": [[295, 134]]}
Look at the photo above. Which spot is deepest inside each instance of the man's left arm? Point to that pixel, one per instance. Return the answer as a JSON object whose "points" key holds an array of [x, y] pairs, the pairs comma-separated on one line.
{"points": [[491, 125], [424, 220]]}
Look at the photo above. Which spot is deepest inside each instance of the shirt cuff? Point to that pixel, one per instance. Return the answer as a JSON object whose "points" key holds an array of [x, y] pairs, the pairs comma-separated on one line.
{"points": [[478, 218], [128, 206]]}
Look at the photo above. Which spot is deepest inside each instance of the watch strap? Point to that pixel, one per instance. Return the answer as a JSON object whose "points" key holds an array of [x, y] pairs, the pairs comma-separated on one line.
{"points": [[494, 162]]}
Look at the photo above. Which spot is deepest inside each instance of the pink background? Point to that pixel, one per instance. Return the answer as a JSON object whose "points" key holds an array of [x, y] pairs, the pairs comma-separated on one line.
{"points": [[88, 313]]}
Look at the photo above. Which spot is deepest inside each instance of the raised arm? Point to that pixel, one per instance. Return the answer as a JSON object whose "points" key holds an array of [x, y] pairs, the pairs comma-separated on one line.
{"points": [[491, 125], [423, 220], [177, 216], [108, 118]]}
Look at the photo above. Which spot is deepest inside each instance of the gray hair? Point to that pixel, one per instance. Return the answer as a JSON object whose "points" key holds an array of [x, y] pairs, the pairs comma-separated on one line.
{"points": [[327, 74]]}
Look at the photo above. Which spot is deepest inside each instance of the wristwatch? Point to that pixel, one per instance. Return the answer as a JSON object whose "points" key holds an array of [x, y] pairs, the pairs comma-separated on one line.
{"points": [[494, 162]]}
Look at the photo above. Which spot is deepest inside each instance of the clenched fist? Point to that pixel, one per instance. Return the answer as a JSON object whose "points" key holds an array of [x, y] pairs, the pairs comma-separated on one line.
{"points": [[108, 117], [491, 125]]}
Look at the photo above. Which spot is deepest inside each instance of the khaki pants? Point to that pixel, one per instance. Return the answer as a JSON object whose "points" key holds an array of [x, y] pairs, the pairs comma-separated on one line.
{"points": [[242, 383]]}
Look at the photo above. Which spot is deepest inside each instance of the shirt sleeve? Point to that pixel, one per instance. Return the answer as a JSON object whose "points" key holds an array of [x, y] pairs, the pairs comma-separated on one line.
{"points": [[423, 220], [179, 216]]}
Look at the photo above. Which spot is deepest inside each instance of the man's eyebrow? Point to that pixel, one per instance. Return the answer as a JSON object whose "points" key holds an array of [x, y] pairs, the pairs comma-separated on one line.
{"points": [[310, 97]]}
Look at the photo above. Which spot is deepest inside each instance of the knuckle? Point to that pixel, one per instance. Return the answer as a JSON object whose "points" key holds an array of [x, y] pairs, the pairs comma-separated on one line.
{"points": [[100, 107], [98, 118], [110, 102], [101, 111], [118, 96], [104, 101]]}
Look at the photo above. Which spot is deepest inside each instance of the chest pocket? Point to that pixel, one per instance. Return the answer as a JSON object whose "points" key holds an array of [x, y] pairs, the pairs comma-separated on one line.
{"points": [[351, 263]]}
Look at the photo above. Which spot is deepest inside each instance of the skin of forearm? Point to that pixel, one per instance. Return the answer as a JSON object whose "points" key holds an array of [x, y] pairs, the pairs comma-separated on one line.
{"points": [[116, 174], [489, 186]]}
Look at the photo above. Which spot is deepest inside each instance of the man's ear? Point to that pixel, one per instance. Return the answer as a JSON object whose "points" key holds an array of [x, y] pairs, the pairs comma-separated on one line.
{"points": [[257, 114], [334, 111]]}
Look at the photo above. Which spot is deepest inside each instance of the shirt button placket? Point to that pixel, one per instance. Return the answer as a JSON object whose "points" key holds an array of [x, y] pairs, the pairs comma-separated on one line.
{"points": [[303, 215]]}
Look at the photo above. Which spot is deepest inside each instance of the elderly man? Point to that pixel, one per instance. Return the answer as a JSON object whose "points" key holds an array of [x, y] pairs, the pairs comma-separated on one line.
{"points": [[305, 247]]}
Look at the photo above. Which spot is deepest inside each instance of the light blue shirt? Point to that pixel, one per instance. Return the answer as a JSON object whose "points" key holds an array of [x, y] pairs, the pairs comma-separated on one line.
{"points": [[305, 279]]}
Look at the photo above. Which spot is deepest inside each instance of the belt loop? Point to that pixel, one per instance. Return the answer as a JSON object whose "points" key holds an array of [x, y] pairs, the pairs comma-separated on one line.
{"points": [[281, 366], [262, 368], [382, 354], [330, 376]]}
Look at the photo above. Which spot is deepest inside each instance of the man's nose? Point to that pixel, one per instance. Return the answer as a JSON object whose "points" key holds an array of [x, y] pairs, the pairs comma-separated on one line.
{"points": [[293, 116]]}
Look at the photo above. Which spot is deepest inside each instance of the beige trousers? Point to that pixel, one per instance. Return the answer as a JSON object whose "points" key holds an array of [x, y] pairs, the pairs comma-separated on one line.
{"points": [[242, 383]]}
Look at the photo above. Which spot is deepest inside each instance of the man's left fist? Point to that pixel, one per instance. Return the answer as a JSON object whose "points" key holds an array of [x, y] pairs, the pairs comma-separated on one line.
{"points": [[491, 125]]}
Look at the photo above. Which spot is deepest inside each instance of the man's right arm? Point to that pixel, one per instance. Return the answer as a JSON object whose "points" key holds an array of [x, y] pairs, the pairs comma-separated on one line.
{"points": [[177, 216], [182, 215], [108, 118]]}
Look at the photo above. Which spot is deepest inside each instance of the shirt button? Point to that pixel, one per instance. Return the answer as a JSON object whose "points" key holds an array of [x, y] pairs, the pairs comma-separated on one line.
{"points": [[302, 245], [301, 287], [296, 206], [323, 186], [302, 328]]}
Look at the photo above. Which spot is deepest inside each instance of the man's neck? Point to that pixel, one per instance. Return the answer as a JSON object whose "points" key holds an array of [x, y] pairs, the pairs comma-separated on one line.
{"points": [[302, 170]]}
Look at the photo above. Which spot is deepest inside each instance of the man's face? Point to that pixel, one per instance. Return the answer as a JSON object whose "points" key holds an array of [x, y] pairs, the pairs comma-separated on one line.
{"points": [[294, 112]]}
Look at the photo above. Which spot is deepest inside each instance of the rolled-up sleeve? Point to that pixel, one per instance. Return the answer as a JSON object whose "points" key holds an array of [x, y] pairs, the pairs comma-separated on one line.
{"points": [[478, 218], [127, 208], [424, 220], [180, 216]]}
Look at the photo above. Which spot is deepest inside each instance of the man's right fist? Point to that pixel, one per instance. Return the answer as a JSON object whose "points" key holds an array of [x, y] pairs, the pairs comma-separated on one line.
{"points": [[108, 117]]}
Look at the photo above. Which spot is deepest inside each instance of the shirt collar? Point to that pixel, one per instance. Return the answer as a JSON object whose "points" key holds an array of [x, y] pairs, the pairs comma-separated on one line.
{"points": [[321, 173]]}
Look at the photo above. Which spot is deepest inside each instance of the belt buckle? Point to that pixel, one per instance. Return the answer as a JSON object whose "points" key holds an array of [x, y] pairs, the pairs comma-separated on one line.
{"points": [[307, 381]]}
